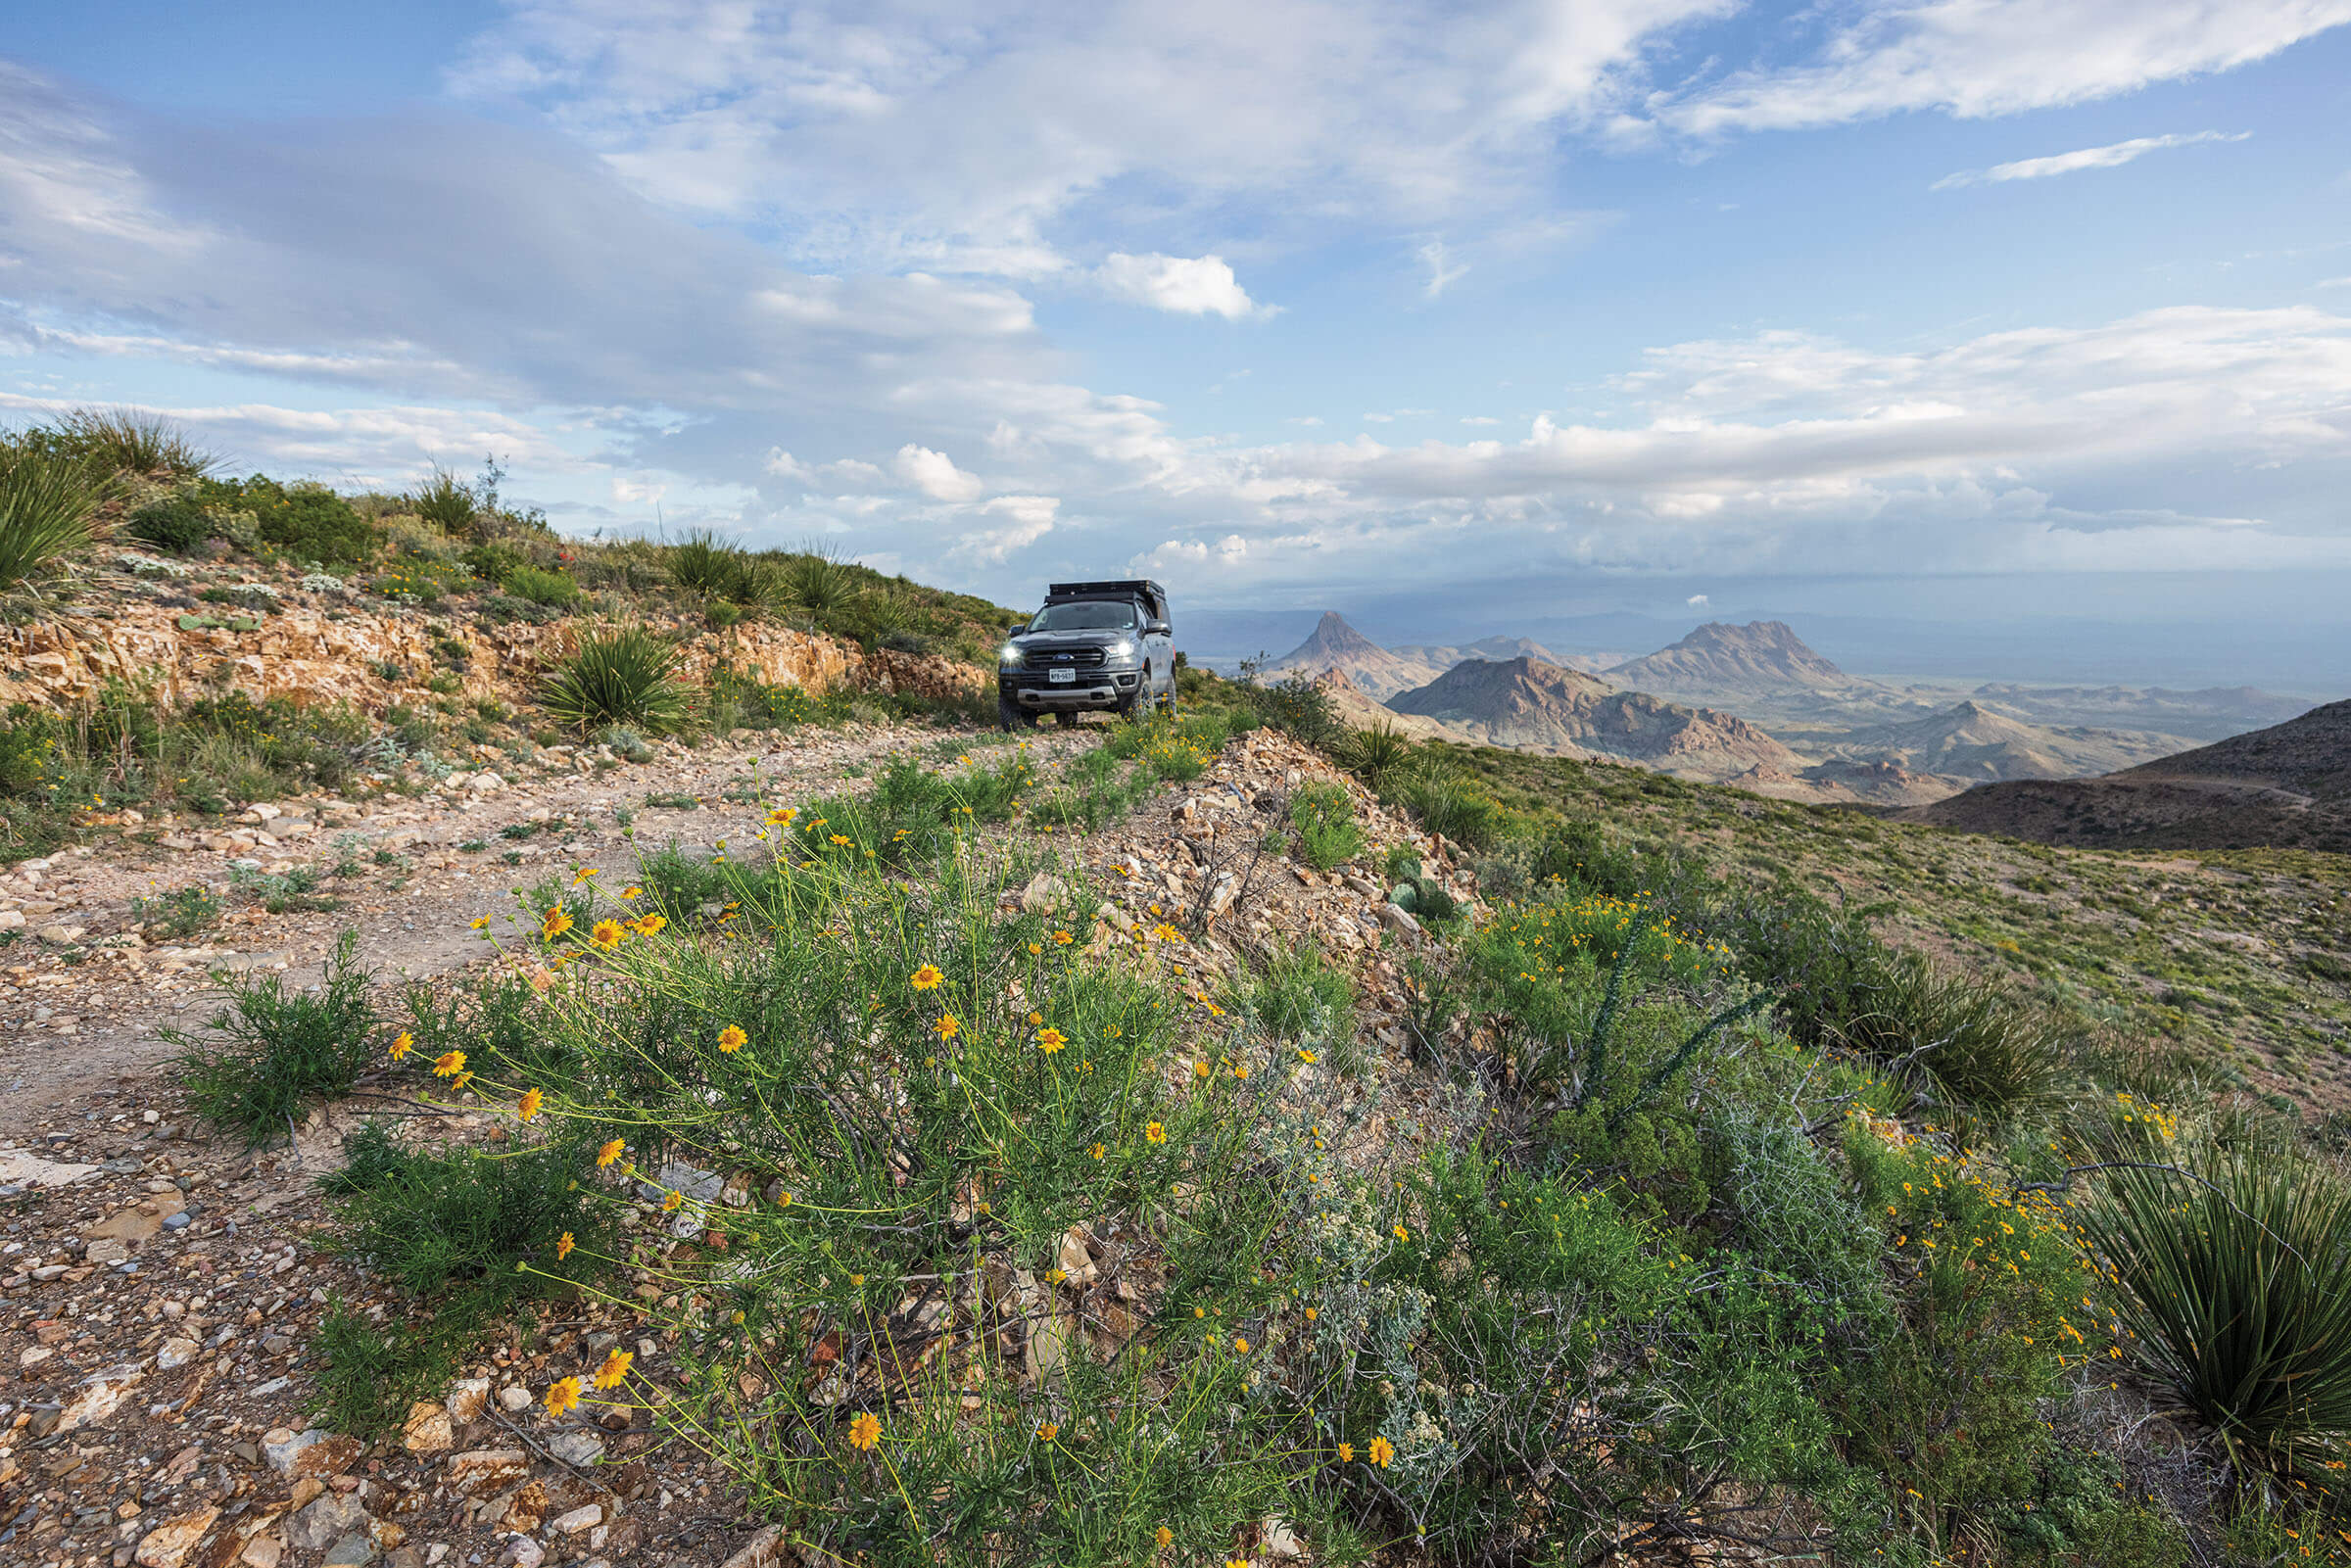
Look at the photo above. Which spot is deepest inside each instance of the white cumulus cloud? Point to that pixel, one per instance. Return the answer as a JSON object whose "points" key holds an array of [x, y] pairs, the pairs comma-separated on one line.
{"points": [[935, 474], [1195, 285]]}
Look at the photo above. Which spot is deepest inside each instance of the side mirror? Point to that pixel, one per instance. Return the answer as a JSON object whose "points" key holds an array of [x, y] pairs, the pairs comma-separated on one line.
{"points": [[1016, 629], [1158, 629]]}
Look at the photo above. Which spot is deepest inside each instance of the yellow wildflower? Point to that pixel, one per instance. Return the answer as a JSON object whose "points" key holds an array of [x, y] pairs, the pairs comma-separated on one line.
{"points": [[527, 1107], [1048, 1432], [614, 1369], [1381, 1451], [946, 1028], [606, 934], [563, 1394], [926, 978], [608, 1153], [1050, 1040], [865, 1431], [563, 1246], [449, 1064], [554, 923], [673, 1201], [1155, 1133], [731, 1038], [402, 1046]]}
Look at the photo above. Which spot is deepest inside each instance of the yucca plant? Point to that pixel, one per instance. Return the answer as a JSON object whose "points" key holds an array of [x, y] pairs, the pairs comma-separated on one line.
{"points": [[820, 580], [1378, 752], [701, 563], [48, 505], [445, 501], [2230, 1291], [624, 675], [118, 441], [1987, 1052]]}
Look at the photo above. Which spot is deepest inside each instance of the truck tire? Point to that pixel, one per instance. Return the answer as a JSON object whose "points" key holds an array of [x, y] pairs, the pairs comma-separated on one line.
{"points": [[1012, 716], [1068, 721]]}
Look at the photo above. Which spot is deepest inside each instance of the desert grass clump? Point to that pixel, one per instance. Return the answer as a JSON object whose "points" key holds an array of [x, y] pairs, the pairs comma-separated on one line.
{"points": [[277, 1047], [702, 563], [2229, 1273], [626, 675], [1446, 802], [446, 501], [48, 510], [130, 441], [1329, 835]]}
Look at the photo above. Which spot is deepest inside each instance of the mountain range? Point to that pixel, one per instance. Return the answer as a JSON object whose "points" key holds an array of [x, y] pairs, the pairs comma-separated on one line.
{"points": [[2285, 787], [1754, 707]]}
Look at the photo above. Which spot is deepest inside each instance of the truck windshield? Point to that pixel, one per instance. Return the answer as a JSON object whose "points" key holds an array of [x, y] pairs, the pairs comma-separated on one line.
{"points": [[1084, 615]]}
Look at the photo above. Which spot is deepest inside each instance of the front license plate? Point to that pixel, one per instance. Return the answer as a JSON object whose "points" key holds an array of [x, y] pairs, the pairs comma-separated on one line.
{"points": [[1062, 677]]}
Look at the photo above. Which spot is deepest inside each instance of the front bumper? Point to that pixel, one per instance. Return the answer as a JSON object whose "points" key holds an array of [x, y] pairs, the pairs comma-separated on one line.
{"points": [[1034, 691]]}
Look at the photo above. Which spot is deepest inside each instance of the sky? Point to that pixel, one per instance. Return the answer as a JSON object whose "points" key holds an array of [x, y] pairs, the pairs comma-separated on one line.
{"points": [[1955, 331]]}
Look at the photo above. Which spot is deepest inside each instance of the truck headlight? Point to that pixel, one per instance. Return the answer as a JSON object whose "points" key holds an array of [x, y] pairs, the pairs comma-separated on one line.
{"points": [[1120, 651], [1010, 656]]}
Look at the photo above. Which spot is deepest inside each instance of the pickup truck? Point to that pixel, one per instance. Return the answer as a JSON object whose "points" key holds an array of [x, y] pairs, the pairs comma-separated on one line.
{"points": [[1107, 647]]}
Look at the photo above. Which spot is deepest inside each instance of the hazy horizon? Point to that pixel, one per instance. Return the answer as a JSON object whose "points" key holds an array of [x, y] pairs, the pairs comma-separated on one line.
{"points": [[2007, 339]]}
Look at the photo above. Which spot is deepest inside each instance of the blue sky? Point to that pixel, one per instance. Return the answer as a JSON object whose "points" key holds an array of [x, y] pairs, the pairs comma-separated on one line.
{"points": [[1922, 317]]}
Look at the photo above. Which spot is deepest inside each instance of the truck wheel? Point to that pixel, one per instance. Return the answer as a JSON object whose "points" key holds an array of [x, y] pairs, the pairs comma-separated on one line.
{"points": [[1068, 721], [1166, 700], [1012, 716]]}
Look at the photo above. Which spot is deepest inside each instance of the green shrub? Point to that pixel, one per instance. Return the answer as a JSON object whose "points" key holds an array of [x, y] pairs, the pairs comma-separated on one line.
{"points": [[304, 521], [494, 560], [277, 1046], [1299, 993], [179, 914], [552, 589], [2232, 1297], [47, 503], [1327, 835], [429, 1219], [493, 1015], [370, 1367], [175, 523], [127, 441], [623, 676], [678, 884]]}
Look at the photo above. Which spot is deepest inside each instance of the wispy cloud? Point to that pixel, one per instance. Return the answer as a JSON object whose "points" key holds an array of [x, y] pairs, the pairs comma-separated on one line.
{"points": [[1978, 59], [2112, 155], [1440, 274]]}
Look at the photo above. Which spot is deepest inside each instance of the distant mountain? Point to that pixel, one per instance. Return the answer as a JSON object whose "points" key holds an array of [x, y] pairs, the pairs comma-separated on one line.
{"points": [[2285, 787], [2211, 714], [1972, 742], [1442, 658], [1539, 706], [1380, 673], [1762, 658], [1369, 667]]}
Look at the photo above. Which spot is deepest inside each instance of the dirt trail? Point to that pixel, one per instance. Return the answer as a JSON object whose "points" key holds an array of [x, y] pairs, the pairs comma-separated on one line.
{"points": [[84, 1014]]}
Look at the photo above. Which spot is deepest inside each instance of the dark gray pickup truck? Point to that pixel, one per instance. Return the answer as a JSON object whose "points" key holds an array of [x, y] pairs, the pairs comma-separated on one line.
{"points": [[1094, 646]]}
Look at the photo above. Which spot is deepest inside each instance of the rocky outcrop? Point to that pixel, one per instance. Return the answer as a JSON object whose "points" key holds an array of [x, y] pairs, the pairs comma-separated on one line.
{"points": [[375, 658]]}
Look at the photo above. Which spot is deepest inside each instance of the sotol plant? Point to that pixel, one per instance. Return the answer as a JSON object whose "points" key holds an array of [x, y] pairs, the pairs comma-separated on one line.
{"points": [[48, 501], [624, 675]]}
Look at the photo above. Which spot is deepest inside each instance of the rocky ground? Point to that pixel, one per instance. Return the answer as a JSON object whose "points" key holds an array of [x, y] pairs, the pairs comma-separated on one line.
{"points": [[159, 1287]]}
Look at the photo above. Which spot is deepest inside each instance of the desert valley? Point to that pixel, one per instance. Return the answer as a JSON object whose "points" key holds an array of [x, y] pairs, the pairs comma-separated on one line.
{"points": [[1753, 707]]}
